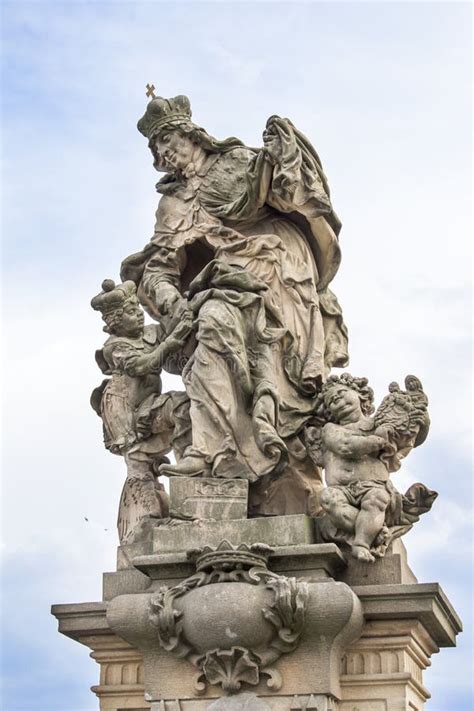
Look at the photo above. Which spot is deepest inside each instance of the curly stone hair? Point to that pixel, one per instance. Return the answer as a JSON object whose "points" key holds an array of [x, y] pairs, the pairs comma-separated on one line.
{"points": [[359, 385]]}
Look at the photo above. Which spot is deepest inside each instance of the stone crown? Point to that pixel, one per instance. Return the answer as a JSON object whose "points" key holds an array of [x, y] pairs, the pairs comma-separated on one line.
{"points": [[228, 557], [162, 112], [113, 297]]}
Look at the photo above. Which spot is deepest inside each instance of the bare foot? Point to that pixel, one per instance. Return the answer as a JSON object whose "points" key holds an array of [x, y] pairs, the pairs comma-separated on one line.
{"points": [[381, 542], [362, 553], [188, 466]]}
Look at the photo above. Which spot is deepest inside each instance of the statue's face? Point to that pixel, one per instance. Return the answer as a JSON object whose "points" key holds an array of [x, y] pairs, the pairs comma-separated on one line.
{"points": [[343, 402], [132, 319], [175, 150]]}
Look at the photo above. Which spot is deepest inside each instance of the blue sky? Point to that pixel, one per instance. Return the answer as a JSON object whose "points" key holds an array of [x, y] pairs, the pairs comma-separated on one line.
{"points": [[383, 90]]}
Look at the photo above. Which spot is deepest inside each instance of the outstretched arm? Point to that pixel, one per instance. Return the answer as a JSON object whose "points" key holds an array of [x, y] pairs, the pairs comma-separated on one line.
{"points": [[125, 357]]}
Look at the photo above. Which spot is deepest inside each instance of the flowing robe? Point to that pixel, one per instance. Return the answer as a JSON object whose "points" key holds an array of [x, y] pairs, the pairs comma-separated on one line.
{"points": [[253, 245]]}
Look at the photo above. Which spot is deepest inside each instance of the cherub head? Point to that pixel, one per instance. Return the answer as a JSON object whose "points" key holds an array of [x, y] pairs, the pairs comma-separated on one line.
{"points": [[345, 398], [120, 309]]}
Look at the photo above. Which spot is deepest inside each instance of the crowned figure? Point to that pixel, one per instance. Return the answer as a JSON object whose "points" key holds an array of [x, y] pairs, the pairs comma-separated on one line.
{"points": [[246, 240]]}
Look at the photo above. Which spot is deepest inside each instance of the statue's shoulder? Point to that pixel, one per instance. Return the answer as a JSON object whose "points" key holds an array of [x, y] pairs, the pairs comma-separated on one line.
{"points": [[225, 179], [116, 345], [236, 159], [329, 430], [241, 153]]}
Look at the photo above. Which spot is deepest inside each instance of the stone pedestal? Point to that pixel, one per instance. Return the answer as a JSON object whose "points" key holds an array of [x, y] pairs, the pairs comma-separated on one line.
{"points": [[381, 671], [203, 498], [404, 626], [120, 684], [259, 617]]}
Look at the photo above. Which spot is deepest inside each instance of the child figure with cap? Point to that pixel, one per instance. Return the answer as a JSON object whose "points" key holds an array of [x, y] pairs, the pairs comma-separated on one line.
{"points": [[139, 422]]}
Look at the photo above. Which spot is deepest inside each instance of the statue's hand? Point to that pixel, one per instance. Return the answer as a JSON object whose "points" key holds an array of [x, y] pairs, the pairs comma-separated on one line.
{"points": [[271, 145], [178, 324], [173, 309], [167, 297], [184, 326]]}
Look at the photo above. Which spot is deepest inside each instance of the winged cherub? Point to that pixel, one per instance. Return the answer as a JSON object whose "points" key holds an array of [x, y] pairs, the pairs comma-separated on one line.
{"points": [[358, 451]]}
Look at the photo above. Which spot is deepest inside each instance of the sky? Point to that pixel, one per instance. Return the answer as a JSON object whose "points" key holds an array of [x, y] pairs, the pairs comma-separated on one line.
{"points": [[383, 90]]}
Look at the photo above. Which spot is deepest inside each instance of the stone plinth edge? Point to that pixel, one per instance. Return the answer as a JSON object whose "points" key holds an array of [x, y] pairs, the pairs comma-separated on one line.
{"points": [[424, 601], [319, 560]]}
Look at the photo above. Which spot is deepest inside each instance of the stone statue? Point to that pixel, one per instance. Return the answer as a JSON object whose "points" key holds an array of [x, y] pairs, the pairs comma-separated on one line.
{"points": [[139, 422], [246, 241], [233, 591], [361, 506]]}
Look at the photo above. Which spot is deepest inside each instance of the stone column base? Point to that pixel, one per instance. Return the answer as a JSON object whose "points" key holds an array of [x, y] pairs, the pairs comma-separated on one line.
{"points": [[382, 671], [120, 686]]}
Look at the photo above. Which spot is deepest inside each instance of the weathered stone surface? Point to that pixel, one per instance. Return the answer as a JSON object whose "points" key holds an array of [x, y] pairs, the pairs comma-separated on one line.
{"points": [[200, 498], [362, 508], [392, 569], [425, 602], [139, 422], [210, 610], [319, 562], [81, 619], [122, 582], [305, 702], [386, 665], [315, 702], [121, 684], [240, 702], [324, 560], [405, 625], [332, 619], [127, 552], [231, 643], [245, 245], [272, 530]]}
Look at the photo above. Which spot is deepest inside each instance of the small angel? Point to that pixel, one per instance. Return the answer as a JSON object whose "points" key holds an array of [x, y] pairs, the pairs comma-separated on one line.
{"points": [[358, 452], [140, 423]]}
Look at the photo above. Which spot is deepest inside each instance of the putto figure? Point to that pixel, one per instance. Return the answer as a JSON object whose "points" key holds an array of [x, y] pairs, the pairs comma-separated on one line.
{"points": [[139, 422], [362, 507], [247, 241]]}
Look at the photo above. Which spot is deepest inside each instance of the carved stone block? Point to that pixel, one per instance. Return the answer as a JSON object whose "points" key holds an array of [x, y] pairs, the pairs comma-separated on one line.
{"points": [[392, 569], [380, 670], [241, 702], [274, 531], [217, 499]]}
